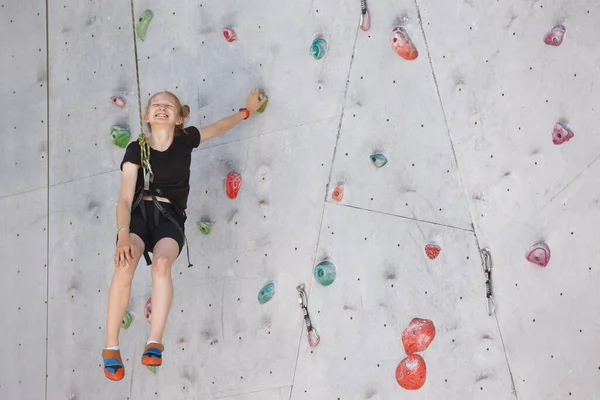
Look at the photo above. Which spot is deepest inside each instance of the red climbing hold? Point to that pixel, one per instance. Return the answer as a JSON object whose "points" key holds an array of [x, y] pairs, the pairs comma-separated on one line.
{"points": [[561, 134], [539, 254], [148, 310], [403, 45], [418, 335], [411, 372], [230, 35], [555, 36], [432, 251], [233, 184], [338, 194]]}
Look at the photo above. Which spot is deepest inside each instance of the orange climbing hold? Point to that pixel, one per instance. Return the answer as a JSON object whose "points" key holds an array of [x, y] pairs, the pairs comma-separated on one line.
{"points": [[338, 194], [432, 251], [418, 335], [233, 184], [403, 45], [411, 372]]}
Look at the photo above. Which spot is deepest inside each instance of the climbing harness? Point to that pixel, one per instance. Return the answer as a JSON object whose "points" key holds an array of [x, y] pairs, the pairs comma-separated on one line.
{"points": [[365, 22], [313, 337], [487, 268], [147, 169]]}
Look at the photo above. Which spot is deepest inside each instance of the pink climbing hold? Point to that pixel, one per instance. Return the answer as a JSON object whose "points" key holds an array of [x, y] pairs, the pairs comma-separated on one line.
{"points": [[555, 36], [561, 134], [118, 101], [148, 310], [230, 35], [539, 254]]}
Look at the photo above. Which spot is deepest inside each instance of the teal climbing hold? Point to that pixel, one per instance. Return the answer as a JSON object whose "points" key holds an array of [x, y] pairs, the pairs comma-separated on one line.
{"points": [[266, 293], [378, 160], [143, 22], [318, 48], [204, 226], [325, 273], [264, 106], [120, 136]]}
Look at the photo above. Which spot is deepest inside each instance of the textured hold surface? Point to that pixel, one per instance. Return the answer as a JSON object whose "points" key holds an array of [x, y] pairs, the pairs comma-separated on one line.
{"points": [[318, 48], [266, 293], [554, 37], [127, 318], [229, 35], [338, 194], [325, 273], [120, 136], [143, 23], [418, 335], [539, 254], [432, 251], [233, 183], [378, 160], [561, 134], [204, 227], [411, 373], [402, 44]]}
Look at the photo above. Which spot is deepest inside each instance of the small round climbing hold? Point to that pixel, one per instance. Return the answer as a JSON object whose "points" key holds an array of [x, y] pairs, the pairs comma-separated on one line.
{"points": [[118, 101], [127, 318], [318, 48], [262, 108], [418, 335], [432, 251], [402, 44], [539, 254], [325, 273], [204, 227], [233, 183], [148, 310], [554, 37], [561, 134], [411, 373], [378, 160], [266, 293], [229, 35], [143, 23], [338, 194], [120, 136]]}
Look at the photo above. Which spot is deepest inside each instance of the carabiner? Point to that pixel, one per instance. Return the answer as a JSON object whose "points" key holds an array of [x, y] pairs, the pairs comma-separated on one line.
{"points": [[365, 21], [313, 337]]}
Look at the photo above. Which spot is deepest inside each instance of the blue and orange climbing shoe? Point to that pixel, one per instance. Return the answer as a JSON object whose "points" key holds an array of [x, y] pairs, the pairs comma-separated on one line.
{"points": [[152, 356], [113, 365]]}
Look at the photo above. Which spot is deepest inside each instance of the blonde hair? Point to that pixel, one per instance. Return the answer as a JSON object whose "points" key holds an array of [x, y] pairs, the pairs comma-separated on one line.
{"points": [[183, 111]]}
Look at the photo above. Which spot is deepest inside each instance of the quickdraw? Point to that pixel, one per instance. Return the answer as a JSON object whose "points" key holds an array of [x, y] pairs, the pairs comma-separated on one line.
{"points": [[365, 21], [487, 269], [313, 336]]}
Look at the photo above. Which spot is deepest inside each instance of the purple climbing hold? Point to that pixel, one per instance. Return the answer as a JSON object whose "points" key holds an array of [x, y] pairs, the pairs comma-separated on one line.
{"points": [[561, 134], [539, 254], [555, 36]]}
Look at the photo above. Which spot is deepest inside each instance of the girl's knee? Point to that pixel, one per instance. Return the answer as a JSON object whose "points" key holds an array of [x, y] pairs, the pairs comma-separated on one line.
{"points": [[161, 266]]}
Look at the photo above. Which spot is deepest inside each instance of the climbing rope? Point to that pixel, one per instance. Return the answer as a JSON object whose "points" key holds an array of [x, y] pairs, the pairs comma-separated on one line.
{"points": [[142, 138]]}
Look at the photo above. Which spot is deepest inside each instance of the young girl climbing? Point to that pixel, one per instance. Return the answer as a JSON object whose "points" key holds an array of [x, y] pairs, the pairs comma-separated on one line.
{"points": [[151, 215]]}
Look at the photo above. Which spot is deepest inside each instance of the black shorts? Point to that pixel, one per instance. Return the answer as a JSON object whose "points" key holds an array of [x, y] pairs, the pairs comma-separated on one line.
{"points": [[151, 232]]}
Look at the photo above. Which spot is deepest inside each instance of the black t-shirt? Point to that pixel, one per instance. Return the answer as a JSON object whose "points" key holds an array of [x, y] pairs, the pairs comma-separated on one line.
{"points": [[171, 167]]}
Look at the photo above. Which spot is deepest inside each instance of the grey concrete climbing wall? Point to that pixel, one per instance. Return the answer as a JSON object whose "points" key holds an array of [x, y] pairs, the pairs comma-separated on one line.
{"points": [[466, 129]]}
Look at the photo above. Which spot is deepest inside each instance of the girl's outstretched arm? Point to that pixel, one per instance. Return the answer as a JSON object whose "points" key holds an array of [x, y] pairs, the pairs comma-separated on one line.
{"points": [[220, 127]]}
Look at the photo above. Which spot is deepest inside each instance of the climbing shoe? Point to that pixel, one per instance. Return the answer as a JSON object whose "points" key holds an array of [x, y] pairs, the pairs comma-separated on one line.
{"points": [[153, 354], [113, 365]]}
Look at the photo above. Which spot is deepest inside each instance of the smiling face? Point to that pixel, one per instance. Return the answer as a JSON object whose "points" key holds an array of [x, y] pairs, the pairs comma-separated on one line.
{"points": [[163, 109]]}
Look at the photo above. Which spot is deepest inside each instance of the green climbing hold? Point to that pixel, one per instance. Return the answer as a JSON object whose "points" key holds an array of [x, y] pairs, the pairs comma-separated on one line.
{"points": [[325, 273], [379, 160], [120, 136], [204, 226], [127, 318], [264, 106], [143, 22], [153, 369], [318, 48], [266, 293]]}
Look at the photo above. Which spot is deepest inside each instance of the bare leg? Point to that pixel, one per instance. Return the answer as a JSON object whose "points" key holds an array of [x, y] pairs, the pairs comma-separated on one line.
{"points": [[165, 253], [120, 293]]}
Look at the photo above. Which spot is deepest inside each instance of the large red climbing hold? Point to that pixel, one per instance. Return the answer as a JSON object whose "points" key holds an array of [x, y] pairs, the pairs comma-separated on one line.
{"points": [[418, 335], [338, 194], [229, 35], [432, 251], [411, 372], [554, 36], [561, 134], [403, 45], [539, 254], [233, 184]]}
